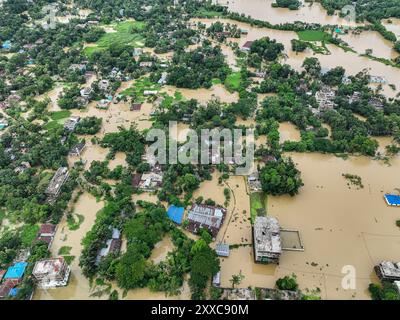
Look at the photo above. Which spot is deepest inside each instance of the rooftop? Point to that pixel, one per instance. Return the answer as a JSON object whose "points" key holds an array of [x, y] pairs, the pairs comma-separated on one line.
{"points": [[222, 249], [389, 270], [47, 228], [49, 267], [57, 181], [16, 271], [267, 240], [176, 214], [392, 200], [247, 44], [203, 216]]}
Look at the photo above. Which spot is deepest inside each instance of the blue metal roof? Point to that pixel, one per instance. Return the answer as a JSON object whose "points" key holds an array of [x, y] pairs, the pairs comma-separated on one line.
{"points": [[6, 45], [16, 271], [176, 213], [13, 292], [392, 199]]}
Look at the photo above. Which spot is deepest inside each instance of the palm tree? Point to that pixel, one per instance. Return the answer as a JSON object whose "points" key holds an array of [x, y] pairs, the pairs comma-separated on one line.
{"points": [[236, 279]]}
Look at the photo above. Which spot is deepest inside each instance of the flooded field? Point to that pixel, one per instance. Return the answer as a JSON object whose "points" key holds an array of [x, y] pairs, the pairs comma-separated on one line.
{"points": [[371, 40], [161, 250], [262, 10], [118, 115], [393, 25], [288, 132], [217, 91]]}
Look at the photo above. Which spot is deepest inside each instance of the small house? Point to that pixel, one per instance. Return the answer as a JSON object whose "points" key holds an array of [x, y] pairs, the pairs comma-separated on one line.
{"points": [[113, 245], [86, 92], [78, 67], [103, 104], [253, 180], [6, 287], [208, 217], [136, 106], [16, 272], [82, 102], [150, 92], [46, 233], [163, 79], [137, 52], [388, 271], [147, 181], [104, 84], [47, 230], [78, 149], [146, 64], [247, 46], [22, 167], [71, 123], [222, 250], [216, 282]]}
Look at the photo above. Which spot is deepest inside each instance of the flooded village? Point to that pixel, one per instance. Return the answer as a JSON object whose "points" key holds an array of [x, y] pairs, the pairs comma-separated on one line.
{"points": [[344, 215]]}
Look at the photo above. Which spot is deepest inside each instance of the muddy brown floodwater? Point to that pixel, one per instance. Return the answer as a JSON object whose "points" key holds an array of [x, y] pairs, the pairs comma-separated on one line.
{"points": [[339, 226], [78, 287], [352, 62], [393, 25], [262, 10]]}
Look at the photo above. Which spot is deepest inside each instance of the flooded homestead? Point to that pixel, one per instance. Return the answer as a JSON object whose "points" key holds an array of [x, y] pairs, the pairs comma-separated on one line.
{"points": [[352, 62], [263, 10]]}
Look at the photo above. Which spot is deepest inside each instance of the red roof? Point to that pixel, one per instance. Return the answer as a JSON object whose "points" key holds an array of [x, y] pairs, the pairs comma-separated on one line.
{"points": [[6, 287], [47, 228], [45, 239], [136, 106], [248, 44], [2, 273], [136, 179], [115, 245]]}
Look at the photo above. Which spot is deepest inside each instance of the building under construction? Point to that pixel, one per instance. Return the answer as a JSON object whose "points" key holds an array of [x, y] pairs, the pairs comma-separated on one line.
{"points": [[50, 273], [58, 180], [267, 240]]}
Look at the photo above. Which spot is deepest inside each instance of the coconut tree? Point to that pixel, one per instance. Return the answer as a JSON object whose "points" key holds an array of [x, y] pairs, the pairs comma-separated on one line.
{"points": [[236, 279]]}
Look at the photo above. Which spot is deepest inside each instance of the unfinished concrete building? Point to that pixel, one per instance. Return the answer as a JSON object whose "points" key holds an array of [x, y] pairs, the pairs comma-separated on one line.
{"points": [[50, 273], [267, 240], [56, 183]]}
